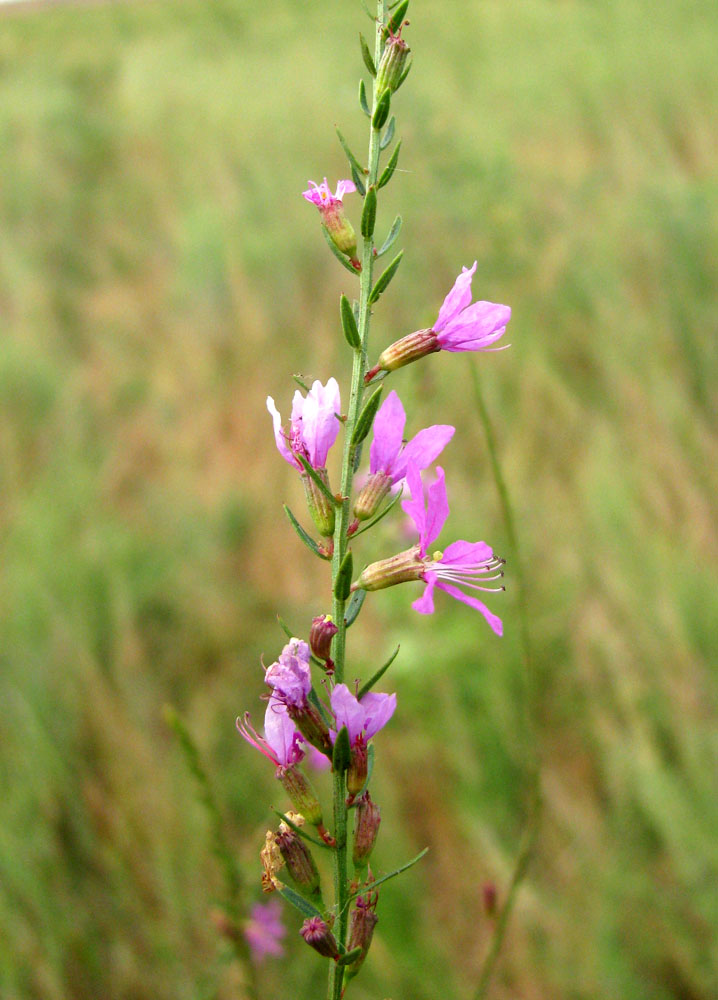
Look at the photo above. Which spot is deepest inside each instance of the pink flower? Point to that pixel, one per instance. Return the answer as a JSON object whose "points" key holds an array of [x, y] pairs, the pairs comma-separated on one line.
{"points": [[461, 326], [364, 718], [461, 562], [321, 196], [389, 456], [331, 210], [264, 930], [313, 426], [281, 743], [289, 675]]}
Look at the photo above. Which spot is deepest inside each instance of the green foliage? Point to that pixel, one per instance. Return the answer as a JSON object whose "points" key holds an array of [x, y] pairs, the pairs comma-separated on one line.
{"points": [[159, 274]]}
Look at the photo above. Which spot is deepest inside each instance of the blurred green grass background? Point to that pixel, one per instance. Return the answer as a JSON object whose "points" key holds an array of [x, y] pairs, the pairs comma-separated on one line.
{"points": [[159, 275]]}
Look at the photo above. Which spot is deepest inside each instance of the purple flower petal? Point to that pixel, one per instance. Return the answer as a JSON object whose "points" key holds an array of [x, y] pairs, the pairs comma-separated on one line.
{"points": [[425, 604], [281, 733], [475, 328], [264, 930], [437, 509], [414, 505], [495, 622], [388, 435], [290, 676], [469, 553], [319, 421], [279, 435], [423, 449], [458, 298], [347, 711], [378, 709]]}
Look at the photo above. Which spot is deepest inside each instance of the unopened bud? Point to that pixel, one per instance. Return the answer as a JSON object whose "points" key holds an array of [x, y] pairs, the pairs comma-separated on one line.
{"points": [[319, 505], [317, 934], [300, 791], [371, 495], [362, 922], [340, 229], [410, 348], [358, 770], [366, 828], [392, 65], [312, 726], [298, 859], [321, 634], [401, 568]]}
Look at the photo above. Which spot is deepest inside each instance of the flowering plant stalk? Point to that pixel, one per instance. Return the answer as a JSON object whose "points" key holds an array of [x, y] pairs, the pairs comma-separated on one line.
{"points": [[312, 712]]}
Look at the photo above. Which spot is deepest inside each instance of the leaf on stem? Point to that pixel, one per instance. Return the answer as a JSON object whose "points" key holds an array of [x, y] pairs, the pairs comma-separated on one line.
{"points": [[305, 537], [385, 878], [302, 904], [353, 162], [363, 103], [404, 74], [381, 111], [349, 324], [397, 19], [383, 282], [350, 956], [337, 253], [354, 607], [389, 134], [391, 238], [366, 55], [316, 478], [389, 169], [300, 830], [320, 706], [358, 182], [342, 756], [343, 582], [378, 675], [366, 417], [300, 382], [368, 215]]}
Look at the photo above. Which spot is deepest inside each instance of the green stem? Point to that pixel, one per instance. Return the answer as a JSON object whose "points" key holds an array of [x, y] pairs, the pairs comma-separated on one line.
{"points": [[359, 366], [533, 820]]}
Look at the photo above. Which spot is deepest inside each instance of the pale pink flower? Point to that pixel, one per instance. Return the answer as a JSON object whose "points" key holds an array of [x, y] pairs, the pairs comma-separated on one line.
{"points": [[313, 426], [281, 742], [364, 718]]}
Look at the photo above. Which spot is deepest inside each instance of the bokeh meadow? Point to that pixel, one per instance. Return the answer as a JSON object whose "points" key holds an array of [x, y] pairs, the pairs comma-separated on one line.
{"points": [[159, 276]]}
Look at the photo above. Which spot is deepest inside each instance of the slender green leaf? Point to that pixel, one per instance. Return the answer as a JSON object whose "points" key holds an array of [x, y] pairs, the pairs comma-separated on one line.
{"points": [[349, 956], [389, 169], [389, 134], [343, 260], [302, 904], [366, 417], [397, 18], [316, 478], [300, 382], [320, 706], [404, 75], [354, 607], [383, 282], [385, 878], [368, 215], [306, 538], [381, 111], [353, 162], [391, 238], [366, 55], [363, 103], [342, 756], [378, 675], [382, 513], [358, 182], [349, 325], [343, 582]]}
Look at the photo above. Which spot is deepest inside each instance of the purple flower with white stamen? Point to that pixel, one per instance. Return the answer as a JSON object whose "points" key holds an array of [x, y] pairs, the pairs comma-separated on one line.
{"points": [[460, 326], [471, 564], [389, 456], [282, 742]]}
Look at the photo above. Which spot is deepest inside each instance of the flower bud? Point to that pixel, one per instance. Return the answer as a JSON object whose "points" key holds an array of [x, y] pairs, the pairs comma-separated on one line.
{"points": [[319, 505], [362, 922], [401, 568], [303, 797], [366, 828], [340, 229], [298, 859], [392, 64], [410, 348], [321, 634], [317, 934], [371, 495], [312, 726], [358, 770]]}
